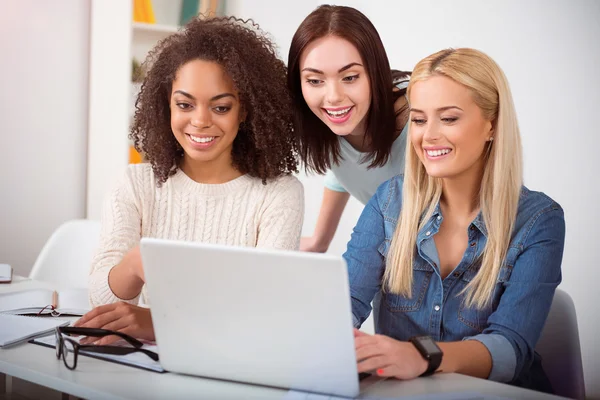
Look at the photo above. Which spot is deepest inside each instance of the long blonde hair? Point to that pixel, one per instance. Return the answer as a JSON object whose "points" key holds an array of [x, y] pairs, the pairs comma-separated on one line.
{"points": [[500, 186]]}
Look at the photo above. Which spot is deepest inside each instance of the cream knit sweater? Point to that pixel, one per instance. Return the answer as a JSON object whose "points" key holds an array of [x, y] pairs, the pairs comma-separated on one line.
{"points": [[242, 212]]}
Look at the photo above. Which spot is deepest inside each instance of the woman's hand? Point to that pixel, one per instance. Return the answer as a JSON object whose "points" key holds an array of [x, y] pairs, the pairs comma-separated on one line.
{"points": [[387, 357], [122, 317]]}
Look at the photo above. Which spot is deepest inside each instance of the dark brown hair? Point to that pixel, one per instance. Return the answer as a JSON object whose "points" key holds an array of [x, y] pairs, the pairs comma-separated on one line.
{"points": [[265, 145], [319, 146]]}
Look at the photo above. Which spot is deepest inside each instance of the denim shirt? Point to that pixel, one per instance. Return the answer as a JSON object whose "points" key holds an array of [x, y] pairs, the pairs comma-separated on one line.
{"points": [[509, 326]]}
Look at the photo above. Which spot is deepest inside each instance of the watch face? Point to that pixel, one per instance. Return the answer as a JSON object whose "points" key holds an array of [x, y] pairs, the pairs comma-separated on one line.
{"points": [[429, 345]]}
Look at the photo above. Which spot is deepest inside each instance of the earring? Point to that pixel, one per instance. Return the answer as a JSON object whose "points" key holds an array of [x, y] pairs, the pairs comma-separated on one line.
{"points": [[491, 139]]}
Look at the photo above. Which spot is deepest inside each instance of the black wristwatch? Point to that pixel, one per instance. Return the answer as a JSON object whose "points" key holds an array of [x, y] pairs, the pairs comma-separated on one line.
{"points": [[430, 351]]}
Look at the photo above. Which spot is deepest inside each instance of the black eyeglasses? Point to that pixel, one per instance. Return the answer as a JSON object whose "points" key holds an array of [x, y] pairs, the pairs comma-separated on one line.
{"points": [[69, 348]]}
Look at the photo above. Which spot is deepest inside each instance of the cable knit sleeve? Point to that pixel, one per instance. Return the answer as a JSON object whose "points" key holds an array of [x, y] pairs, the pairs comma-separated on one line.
{"points": [[120, 232], [281, 221]]}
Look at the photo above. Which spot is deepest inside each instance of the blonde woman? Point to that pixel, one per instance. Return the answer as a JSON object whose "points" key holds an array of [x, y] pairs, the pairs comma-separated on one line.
{"points": [[461, 258]]}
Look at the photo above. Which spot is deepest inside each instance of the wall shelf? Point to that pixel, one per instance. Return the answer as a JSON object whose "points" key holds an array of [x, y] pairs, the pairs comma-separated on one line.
{"points": [[145, 36], [157, 29]]}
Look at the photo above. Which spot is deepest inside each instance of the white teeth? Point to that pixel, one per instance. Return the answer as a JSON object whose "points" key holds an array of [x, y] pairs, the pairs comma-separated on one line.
{"points": [[338, 113], [437, 153], [202, 140]]}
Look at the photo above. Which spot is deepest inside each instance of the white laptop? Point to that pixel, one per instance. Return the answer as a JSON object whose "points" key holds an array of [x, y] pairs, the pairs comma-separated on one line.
{"points": [[267, 317]]}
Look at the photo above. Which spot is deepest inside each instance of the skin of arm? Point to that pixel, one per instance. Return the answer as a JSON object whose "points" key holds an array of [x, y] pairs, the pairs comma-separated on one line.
{"points": [[126, 279], [468, 357], [332, 207]]}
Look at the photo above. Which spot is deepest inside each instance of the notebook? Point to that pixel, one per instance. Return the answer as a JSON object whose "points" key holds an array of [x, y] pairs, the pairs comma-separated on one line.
{"points": [[18, 328], [69, 301], [137, 360]]}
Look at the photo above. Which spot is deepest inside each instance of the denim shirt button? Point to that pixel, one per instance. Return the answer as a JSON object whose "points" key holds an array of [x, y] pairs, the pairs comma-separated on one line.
{"points": [[436, 308], [439, 217], [427, 233]]}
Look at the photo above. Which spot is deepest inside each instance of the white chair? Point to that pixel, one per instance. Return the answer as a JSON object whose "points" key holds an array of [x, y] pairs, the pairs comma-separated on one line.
{"points": [[560, 349], [66, 257]]}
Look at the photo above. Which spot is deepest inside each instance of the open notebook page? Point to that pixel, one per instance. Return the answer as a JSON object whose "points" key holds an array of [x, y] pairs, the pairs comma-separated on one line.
{"points": [[73, 301], [18, 328], [69, 301]]}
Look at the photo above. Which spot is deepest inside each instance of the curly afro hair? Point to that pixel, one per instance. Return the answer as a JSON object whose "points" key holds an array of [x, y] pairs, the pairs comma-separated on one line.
{"points": [[265, 146]]}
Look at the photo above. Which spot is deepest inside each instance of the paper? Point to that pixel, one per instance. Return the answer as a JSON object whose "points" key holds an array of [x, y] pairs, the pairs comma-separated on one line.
{"points": [[18, 328], [137, 359], [73, 301], [70, 301]]}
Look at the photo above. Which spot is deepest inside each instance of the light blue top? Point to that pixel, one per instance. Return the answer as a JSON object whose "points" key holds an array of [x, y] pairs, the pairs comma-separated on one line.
{"points": [[351, 174], [509, 326]]}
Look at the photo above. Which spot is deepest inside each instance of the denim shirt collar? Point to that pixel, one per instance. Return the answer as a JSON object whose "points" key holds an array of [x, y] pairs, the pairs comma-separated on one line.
{"points": [[433, 225], [479, 224]]}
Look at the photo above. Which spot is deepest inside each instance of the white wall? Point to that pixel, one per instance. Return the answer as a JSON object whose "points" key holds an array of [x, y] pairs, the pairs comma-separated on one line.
{"points": [[109, 94], [43, 122], [549, 50]]}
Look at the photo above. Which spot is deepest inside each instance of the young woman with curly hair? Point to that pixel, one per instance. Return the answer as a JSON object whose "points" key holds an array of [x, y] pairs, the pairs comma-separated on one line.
{"points": [[350, 110], [213, 120]]}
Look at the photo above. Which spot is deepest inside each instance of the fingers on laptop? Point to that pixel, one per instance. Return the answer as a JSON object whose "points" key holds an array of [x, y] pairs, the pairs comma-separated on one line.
{"points": [[387, 357]]}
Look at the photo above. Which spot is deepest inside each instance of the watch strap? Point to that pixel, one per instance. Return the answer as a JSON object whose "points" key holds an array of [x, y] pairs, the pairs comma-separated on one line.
{"points": [[434, 360]]}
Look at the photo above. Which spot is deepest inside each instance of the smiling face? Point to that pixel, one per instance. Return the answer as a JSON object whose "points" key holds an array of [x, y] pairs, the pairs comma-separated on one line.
{"points": [[448, 131], [205, 114], [335, 84]]}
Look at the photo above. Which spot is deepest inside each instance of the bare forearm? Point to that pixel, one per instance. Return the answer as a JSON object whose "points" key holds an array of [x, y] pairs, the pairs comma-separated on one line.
{"points": [[468, 357], [330, 214], [125, 279]]}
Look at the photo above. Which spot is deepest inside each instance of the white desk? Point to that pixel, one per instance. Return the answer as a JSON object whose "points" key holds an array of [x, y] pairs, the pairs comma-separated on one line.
{"points": [[21, 283], [97, 379]]}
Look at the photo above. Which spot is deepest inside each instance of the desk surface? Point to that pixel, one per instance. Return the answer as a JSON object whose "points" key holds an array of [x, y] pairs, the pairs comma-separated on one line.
{"points": [[97, 379], [21, 283]]}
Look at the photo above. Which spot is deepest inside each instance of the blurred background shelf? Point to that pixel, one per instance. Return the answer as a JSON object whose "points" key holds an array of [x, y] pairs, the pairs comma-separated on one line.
{"points": [[142, 28], [145, 36]]}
